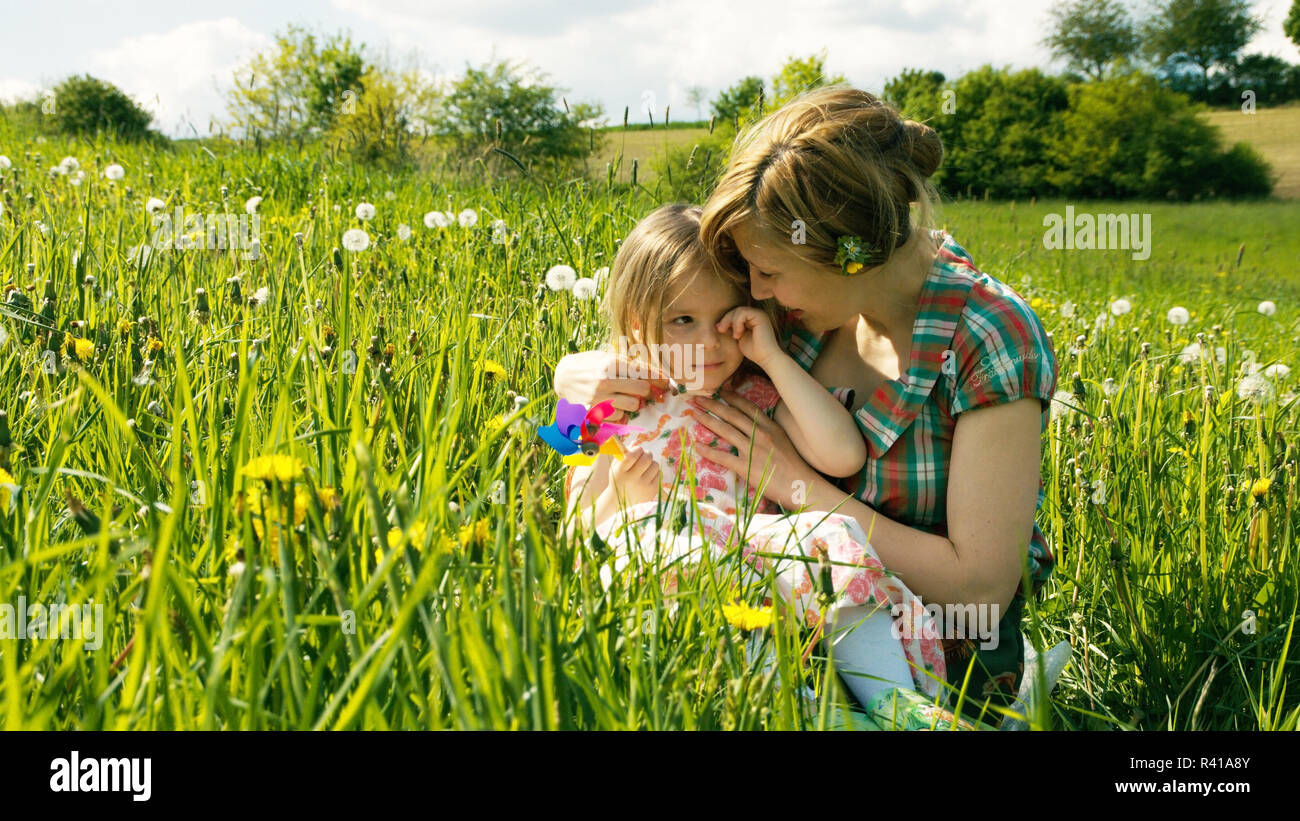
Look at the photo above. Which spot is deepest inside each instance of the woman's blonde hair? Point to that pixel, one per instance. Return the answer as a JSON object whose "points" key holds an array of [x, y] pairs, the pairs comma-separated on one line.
{"points": [[834, 161], [661, 254]]}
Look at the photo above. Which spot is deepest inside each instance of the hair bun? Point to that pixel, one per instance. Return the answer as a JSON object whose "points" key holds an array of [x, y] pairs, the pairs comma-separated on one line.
{"points": [[923, 147]]}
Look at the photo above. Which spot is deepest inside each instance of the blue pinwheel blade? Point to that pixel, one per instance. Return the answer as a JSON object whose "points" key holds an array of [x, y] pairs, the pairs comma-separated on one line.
{"points": [[551, 435]]}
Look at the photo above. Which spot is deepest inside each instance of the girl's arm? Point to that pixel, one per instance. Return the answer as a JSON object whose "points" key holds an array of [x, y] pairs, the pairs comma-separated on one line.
{"points": [[822, 430]]}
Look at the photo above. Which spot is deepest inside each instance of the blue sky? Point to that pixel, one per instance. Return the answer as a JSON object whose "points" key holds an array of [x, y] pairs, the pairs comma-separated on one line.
{"points": [[177, 58]]}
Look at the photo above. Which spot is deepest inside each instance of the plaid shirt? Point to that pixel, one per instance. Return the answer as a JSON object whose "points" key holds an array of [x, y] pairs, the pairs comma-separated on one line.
{"points": [[999, 353]]}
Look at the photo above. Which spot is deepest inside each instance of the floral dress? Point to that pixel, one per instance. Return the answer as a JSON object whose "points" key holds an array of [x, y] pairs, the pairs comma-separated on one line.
{"points": [[800, 554]]}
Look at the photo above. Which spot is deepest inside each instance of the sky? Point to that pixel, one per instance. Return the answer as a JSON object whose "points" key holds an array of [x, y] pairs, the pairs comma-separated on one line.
{"points": [[178, 59]]}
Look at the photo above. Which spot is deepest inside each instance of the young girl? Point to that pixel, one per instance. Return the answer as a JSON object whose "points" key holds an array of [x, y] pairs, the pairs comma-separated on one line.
{"points": [[699, 328]]}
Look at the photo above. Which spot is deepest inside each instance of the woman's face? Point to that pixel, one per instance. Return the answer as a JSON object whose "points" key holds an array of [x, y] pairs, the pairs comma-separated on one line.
{"points": [[696, 354], [812, 294]]}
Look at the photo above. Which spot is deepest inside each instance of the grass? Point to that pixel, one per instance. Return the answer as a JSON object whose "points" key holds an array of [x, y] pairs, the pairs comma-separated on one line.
{"points": [[384, 586]]}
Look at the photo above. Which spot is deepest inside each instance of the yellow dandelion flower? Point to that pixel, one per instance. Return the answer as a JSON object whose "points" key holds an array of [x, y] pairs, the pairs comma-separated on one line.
{"points": [[83, 349], [329, 498], [275, 467], [477, 533], [492, 369], [743, 616], [6, 480], [154, 344], [124, 327], [1260, 487], [495, 424]]}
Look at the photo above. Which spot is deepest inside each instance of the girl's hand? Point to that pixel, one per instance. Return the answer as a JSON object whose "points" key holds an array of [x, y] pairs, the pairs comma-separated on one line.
{"points": [[635, 478], [753, 330], [591, 377], [774, 457]]}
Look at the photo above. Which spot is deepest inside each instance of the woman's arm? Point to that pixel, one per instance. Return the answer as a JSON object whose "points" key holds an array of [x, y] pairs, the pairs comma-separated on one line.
{"points": [[992, 495]]}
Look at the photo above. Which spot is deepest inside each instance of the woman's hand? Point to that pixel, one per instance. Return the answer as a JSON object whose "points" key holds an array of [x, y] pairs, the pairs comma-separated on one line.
{"points": [[773, 457], [635, 478], [753, 331], [591, 377]]}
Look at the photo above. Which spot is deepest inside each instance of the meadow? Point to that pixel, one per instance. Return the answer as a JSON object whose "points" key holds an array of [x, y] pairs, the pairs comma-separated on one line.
{"points": [[308, 491]]}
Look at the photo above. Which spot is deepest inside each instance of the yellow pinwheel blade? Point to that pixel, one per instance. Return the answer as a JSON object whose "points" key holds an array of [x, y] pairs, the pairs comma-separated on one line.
{"points": [[578, 458], [612, 447]]}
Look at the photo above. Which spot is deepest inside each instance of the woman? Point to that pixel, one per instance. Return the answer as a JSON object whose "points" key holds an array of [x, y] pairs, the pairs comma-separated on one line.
{"points": [[948, 372]]}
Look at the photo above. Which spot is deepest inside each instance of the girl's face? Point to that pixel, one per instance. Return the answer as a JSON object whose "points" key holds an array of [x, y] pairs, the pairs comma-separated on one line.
{"points": [[811, 293], [695, 353]]}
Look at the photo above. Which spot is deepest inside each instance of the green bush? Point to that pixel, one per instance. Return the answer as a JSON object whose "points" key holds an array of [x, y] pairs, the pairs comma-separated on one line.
{"points": [[87, 106], [1128, 136]]}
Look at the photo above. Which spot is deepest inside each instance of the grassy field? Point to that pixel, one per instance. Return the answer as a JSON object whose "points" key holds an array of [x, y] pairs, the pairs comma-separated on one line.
{"points": [[404, 571], [1275, 133], [1271, 131]]}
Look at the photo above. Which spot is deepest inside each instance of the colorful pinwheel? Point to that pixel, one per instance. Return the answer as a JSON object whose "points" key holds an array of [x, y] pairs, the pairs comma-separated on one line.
{"points": [[581, 435]]}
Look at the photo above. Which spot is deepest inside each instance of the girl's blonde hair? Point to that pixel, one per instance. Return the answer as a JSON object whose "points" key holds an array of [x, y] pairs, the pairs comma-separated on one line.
{"points": [[834, 161], [659, 256]]}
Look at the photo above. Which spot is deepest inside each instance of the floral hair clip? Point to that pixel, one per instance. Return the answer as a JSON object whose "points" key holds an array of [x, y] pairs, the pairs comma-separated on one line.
{"points": [[581, 435], [852, 254]]}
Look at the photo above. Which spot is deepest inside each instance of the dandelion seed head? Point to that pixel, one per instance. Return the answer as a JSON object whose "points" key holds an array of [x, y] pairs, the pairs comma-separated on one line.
{"points": [[251, 205], [1178, 315], [403, 232], [1120, 307], [435, 219], [560, 277], [365, 211], [468, 218], [355, 239], [584, 288], [1255, 388], [154, 204], [1267, 307], [114, 172]]}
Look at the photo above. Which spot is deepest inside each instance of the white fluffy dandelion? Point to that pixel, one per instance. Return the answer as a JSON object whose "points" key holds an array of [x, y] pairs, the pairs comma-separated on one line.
{"points": [[250, 206], [69, 164], [114, 172], [1277, 371], [1190, 354], [403, 232], [154, 204], [1255, 388], [601, 275], [468, 218], [1109, 387], [77, 178], [1062, 404], [4, 162], [261, 296], [1120, 307], [354, 239], [1267, 307], [560, 277], [500, 232], [1178, 315], [584, 288], [436, 219], [365, 211], [1067, 309]]}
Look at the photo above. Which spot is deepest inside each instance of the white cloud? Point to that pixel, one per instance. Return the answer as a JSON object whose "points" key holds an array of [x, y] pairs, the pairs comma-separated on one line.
{"points": [[180, 75], [12, 90]]}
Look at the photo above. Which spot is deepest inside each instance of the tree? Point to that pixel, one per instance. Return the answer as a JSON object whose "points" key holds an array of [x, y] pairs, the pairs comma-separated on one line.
{"points": [[695, 96], [1091, 34], [298, 88], [508, 107], [85, 105], [739, 101], [797, 76], [1204, 33], [1291, 26]]}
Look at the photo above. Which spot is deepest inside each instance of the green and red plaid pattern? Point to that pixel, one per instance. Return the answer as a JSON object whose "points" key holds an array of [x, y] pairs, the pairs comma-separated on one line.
{"points": [[1000, 353]]}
